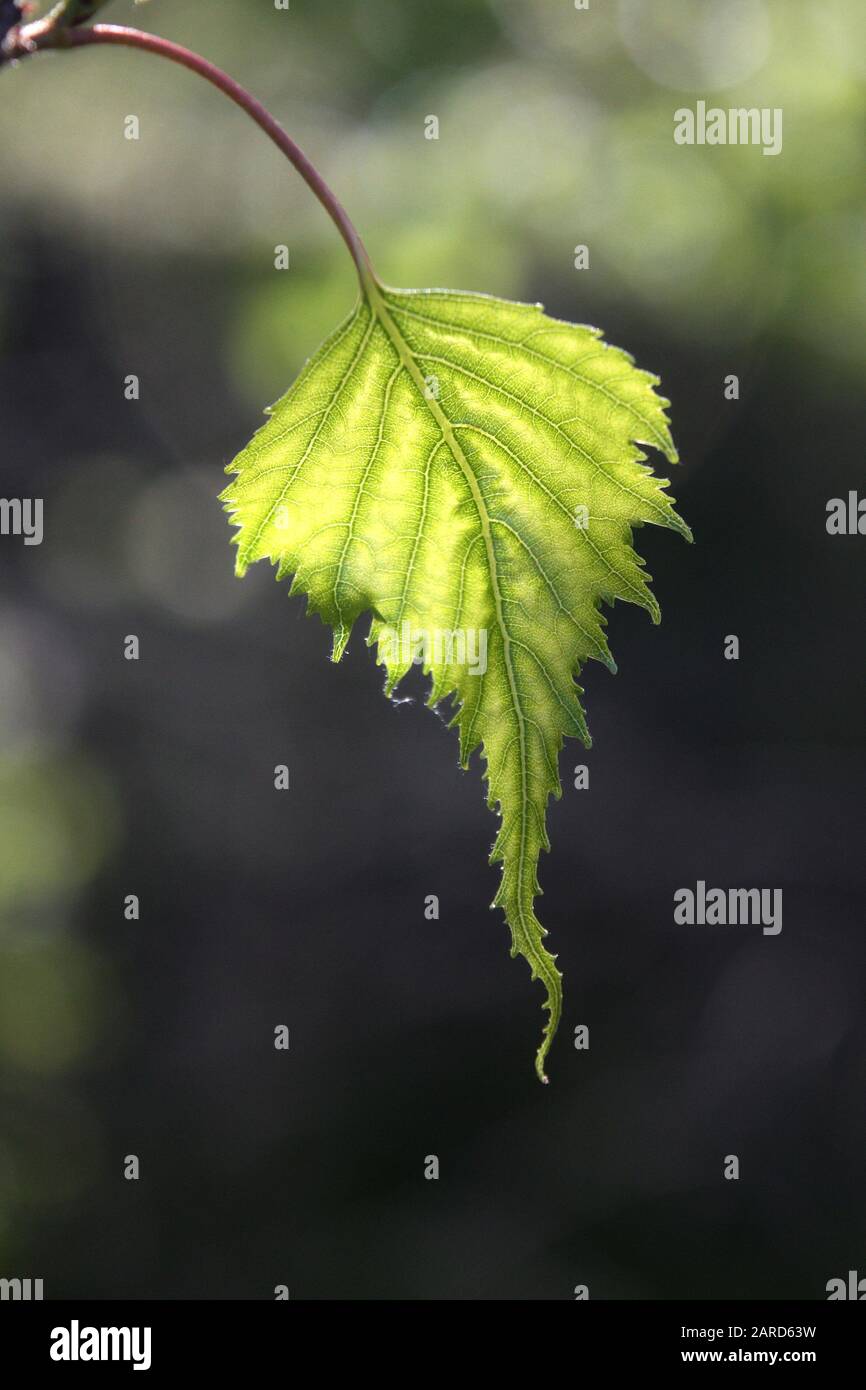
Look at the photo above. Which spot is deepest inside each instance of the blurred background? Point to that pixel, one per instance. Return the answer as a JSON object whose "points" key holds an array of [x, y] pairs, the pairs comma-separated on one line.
{"points": [[412, 1037]]}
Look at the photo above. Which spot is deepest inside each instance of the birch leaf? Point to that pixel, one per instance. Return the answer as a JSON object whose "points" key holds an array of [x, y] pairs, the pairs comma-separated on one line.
{"points": [[468, 471]]}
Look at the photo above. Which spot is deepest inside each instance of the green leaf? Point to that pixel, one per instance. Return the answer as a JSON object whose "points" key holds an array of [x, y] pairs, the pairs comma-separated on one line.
{"points": [[466, 469]]}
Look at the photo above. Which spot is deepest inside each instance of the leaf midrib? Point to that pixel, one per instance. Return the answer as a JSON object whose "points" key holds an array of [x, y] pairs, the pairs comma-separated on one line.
{"points": [[380, 311]]}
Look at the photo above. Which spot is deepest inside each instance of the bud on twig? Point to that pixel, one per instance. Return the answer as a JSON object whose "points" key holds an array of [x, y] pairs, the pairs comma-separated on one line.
{"points": [[18, 39]]}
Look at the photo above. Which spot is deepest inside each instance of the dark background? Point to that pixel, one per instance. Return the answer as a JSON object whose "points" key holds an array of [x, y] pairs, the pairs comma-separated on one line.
{"points": [[411, 1037]]}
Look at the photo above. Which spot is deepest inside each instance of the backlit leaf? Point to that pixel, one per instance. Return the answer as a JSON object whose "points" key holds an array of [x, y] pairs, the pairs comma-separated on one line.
{"points": [[468, 471]]}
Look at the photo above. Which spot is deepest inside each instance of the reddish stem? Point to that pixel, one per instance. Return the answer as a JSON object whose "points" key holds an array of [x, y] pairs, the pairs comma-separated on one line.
{"points": [[124, 37]]}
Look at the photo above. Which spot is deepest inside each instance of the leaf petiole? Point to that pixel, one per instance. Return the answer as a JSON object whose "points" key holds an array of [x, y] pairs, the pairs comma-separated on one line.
{"points": [[33, 38]]}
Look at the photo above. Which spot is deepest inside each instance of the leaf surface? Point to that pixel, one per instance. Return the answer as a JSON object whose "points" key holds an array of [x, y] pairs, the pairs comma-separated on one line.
{"points": [[468, 471]]}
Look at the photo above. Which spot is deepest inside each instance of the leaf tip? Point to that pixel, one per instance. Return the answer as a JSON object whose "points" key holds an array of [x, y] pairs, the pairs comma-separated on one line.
{"points": [[342, 634], [541, 1057]]}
